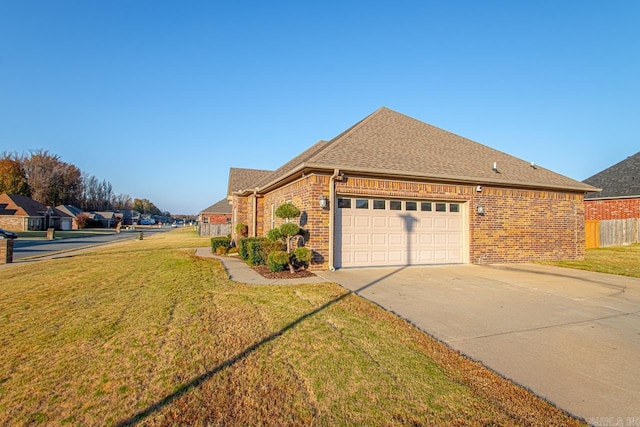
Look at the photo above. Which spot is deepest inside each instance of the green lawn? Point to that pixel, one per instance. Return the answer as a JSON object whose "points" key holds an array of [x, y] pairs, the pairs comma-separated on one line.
{"points": [[142, 331], [620, 260]]}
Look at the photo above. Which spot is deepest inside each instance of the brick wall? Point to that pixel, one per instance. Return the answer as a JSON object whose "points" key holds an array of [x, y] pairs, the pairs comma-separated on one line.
{"points": [[240, 213], [304, 194], [216, 218], [612, 209], [12, 223], [523, 226], [6, 251], [517, 225]]}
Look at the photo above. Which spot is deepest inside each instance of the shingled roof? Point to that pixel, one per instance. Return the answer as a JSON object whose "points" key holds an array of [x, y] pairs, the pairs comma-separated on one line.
{"points": [[619, 180], [21, 205], [390, 143], [220, 207], [244, 179]]}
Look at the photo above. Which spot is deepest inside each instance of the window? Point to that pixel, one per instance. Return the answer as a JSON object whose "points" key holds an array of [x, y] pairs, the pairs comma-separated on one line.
{"points": [[205, 220], [362, 204], [426, 206], [411, 206], [344, 203], [454, 207], [379, 204], [441, 207], [273, 216], [395, 205]]}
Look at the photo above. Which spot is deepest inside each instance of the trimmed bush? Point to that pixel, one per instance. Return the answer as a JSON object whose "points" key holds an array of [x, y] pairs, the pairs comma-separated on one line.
{"points": [[251, 250], [221, 250], [217, 242], [256, 252], [277, 261], [302, 257]]}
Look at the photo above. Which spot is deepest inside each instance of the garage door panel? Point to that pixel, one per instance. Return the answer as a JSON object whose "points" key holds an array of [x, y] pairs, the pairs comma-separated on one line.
{"points": [[378, 237], [361, 239], [395, 257], [379, 222], [425, 256], [361, 221], [395, 239], [440, 255], [426, 239], [361, 257], [455, 255], [395, 222], [455, 223], [379, 257], [440, 239], [440, 223]]}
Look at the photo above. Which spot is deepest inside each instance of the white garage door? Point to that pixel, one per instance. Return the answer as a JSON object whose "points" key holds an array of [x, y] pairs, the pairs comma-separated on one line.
{"points": [[379, 232]]}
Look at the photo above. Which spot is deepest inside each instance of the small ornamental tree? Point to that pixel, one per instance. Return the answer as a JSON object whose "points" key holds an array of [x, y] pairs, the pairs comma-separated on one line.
{"points": [[82, 220], [286, 232]]}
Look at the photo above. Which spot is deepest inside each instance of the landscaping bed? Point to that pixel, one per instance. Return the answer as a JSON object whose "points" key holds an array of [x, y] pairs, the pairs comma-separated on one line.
{"points": [[264, 271]]}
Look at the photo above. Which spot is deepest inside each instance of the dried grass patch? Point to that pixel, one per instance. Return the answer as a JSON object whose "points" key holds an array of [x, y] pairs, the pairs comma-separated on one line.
{"points": [[144, 332]]}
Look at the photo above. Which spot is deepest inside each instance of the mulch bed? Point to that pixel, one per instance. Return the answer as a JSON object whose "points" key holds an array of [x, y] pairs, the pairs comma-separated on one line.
{"points": [[263, 270]]}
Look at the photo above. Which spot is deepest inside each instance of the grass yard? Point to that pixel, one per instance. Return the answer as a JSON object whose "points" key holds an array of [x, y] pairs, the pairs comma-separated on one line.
{"points": [[620, 260], [142, 332]]}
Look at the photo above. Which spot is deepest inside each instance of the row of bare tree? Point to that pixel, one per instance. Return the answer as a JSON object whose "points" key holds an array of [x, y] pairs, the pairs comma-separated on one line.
{"points": [[44, 177]]}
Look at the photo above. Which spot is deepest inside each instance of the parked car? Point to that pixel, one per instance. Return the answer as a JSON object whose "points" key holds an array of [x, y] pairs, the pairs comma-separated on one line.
{"points": [[5, 234]]}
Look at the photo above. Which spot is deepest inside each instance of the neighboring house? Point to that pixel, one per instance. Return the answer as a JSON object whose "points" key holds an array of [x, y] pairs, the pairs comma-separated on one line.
{"points": [[392, 191], [130, 217], [106, 219], [73, 212], [620, 195], [613, 214], [22, 213], [218, 213]]}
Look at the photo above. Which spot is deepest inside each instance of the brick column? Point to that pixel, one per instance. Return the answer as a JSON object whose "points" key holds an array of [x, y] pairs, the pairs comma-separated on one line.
{"points": [[6, 251], [50, 233]]}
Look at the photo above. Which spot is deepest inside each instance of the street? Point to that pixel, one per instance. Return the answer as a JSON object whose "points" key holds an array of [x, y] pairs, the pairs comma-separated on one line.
{"points": [[27, 248]]}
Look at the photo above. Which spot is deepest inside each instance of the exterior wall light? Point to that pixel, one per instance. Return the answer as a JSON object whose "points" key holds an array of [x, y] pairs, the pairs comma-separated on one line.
{"points": [[323, 202], [480, 210]]}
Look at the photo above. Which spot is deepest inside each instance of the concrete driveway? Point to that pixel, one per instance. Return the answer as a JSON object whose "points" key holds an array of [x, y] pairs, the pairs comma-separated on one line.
{"points": [[570, 336]]}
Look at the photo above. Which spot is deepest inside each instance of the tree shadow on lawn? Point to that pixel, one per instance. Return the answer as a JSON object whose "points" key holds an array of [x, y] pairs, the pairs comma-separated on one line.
{"points": [[196, 382]]}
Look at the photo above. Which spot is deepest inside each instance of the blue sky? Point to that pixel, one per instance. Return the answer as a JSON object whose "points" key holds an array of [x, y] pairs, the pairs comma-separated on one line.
{"points": [[161, 97]]}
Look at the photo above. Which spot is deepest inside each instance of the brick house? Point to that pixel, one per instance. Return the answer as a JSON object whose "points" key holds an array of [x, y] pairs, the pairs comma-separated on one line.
{"points": [[392, 190], [22, 213], [218, 213], [620, 195]]}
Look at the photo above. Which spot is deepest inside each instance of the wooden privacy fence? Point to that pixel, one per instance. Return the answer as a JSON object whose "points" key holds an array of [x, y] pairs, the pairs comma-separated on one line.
{"points": [[613, 232], [213, 230]]}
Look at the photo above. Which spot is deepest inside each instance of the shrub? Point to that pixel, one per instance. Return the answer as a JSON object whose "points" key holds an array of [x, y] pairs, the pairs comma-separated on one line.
{"points": [[217, 242], [277, 261], [221, 250], [82, 219], [233, 250], [274, 234], [254, 253], [242, 229], [302, 257]]}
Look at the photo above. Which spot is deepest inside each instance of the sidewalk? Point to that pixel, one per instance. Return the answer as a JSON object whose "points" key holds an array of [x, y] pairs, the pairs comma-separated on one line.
{"points": [[238, 271]]}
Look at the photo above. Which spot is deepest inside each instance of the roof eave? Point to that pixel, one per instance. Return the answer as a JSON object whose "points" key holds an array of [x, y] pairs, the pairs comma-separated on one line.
{"points": [[612, 198], [290, 175]]}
